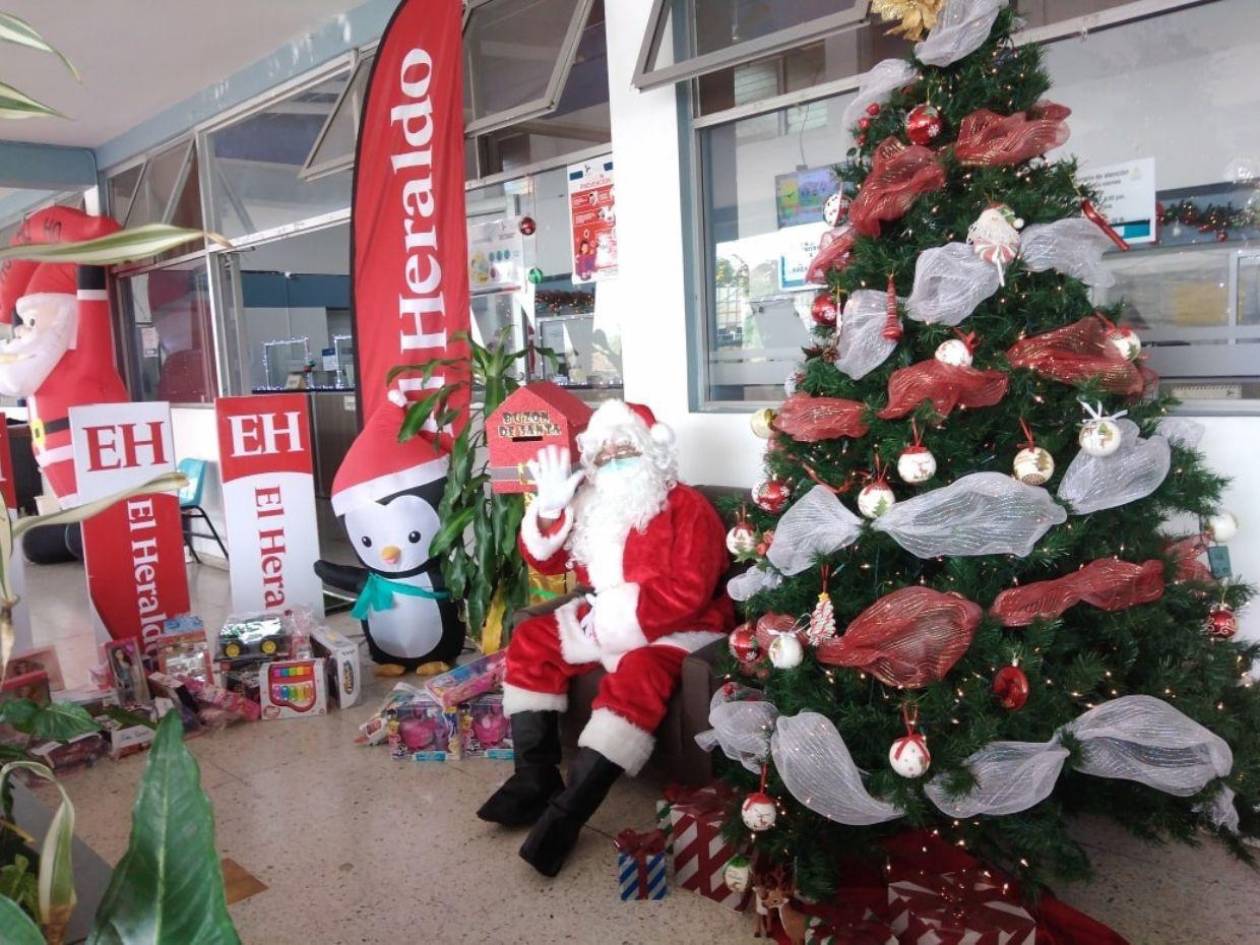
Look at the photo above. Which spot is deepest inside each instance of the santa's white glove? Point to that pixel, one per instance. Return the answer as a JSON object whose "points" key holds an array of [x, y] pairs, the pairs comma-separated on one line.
{"points": [[550, 470], [587, 621]]}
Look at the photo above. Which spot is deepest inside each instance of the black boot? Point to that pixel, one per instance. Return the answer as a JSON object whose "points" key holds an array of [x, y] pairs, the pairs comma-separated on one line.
{"points": [[556, 833], [536, 750]]}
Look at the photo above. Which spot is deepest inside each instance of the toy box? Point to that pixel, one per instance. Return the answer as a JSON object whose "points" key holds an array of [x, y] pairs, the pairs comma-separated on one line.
{"points": [[293, 689], [341, 665], [84, 750], [472, 679], [184, 654], [235, 705], [422, 730], [128, 731], [531, 417], [126, 670], [184, 623], [177, 694], [484, 729]]}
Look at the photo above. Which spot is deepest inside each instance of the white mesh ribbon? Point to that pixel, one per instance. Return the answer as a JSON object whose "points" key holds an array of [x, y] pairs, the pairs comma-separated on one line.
{"points": [[741, 727], [1133, 738], [1074, 247], [962, 28], [816, 524], [986, 513], [1132, 472], [753, 581], [860, 343], [949, 282], [1180, 431], [1220, 810], [815, 765], [877, 85]]}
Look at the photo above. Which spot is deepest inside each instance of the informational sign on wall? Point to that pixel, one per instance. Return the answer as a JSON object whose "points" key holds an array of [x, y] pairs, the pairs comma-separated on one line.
{"points": [[496, 255], [1126, 197], [134, 550], [593, 220], [269, 502]]}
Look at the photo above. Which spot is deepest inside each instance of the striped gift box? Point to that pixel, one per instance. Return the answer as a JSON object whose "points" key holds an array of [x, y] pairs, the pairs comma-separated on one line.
{"points": [[868, 931], [641, 883], [700, 854]]}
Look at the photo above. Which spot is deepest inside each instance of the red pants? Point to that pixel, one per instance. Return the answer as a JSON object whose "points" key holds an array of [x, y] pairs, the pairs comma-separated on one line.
{"points": [[632, 698]]}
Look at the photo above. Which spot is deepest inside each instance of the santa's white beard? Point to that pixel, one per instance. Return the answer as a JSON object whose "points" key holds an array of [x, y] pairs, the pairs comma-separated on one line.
{"points": [[606, 510], [27, 359]]}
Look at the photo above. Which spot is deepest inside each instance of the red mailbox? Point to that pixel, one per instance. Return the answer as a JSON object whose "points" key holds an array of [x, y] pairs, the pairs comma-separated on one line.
{"points": [[536, 415]]}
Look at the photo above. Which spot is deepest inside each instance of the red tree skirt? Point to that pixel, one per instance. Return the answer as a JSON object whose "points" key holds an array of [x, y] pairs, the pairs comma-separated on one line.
{"points": [[987, 138], [946, 385], [899, 174], [1107, 583], [1078, 352], [909, 638], [812, 419]]}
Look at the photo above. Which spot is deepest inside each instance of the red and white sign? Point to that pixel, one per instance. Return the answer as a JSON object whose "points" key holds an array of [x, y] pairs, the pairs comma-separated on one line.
{"points": [[408, 241], [269, 500], [134, 550], [8, 486], [593, 219]]}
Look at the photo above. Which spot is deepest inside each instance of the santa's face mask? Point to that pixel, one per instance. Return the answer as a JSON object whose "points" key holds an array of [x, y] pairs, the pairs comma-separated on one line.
{"points": [[47, 333]]}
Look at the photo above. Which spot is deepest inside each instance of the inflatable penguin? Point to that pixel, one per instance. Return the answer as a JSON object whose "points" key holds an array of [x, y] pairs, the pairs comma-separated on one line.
{"points": [[387, 494]]}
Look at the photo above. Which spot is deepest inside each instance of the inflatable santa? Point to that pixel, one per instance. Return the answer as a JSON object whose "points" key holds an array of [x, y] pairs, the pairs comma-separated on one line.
{"points": [[653, 552], [62, 353]]}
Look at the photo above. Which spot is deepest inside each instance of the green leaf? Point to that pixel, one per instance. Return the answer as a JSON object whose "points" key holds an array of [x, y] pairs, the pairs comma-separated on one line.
{"points": [[16, 30], [168, 887], [18, 883], [19, 714], [15, 105], [124, 246], [451, 531], [56, 872], [425, 370], [419, 412], [61, 722], [17, 925]]}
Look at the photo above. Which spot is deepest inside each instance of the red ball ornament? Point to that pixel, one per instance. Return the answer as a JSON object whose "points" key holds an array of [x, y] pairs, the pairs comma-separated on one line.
{"points": [[825, 311], [1221, 622], [742, 643], [861, 140], [923, 124], [1010, 685], [527, 226], [771, 495], [864, 123], [872, 109]]}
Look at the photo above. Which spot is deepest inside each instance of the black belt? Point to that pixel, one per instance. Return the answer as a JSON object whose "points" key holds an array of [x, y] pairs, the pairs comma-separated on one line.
{"points": [[55, 426]]}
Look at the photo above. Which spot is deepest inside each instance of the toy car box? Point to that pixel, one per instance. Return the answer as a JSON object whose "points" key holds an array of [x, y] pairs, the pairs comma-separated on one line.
{"points": [[255, 638], [341, 665]]}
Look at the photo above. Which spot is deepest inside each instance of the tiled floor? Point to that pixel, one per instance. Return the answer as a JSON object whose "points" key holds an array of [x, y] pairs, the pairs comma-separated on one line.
{"points": [[359, 850]]}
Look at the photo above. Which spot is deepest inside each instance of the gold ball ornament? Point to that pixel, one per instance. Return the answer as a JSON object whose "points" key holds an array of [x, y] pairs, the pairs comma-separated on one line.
{"points": [[1034, 466], [913, 17], [762, 422]]}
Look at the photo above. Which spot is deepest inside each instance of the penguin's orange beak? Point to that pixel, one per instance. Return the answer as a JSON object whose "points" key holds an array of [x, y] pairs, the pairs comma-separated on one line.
{"points": [[390, 554]]}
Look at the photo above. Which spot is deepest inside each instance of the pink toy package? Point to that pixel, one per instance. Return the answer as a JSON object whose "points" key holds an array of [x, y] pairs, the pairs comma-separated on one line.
{"points": [[422, 730], [484, 729], [471, 679]]}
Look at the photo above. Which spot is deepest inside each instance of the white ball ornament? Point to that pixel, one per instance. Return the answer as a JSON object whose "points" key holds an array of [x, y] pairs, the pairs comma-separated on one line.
{"points": [[875, 499], [1222, 526], [1034, 466], [954, 352], [1100, 436], [1126, 341], [909, 756], [761, 423], [737, 874], [836, 209], [759, 811], [916, 464], [786, 651], [741, 539]]}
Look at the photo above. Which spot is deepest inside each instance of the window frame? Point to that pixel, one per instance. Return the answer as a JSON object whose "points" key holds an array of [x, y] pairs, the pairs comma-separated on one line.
{"points": [[700, 297], [364, 58]]}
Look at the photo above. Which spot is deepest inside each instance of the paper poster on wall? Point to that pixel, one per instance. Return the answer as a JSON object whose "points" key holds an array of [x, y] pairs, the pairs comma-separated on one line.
{"points": [[798, 245], [133, 552], [800, 195], [496, 255], [269, 502], [593, 220], [1126, 197]]}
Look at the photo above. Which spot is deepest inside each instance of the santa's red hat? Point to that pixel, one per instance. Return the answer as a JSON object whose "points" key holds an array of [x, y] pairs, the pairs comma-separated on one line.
{"points": [[378, 466]]}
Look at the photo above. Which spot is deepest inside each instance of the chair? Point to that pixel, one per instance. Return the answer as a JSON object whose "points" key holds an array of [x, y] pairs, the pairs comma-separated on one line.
{"points": [[194, 471]]}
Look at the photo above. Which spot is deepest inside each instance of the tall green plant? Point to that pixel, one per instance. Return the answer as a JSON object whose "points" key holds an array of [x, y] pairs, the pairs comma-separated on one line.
{"points": [[487, 563], [14, 103]]}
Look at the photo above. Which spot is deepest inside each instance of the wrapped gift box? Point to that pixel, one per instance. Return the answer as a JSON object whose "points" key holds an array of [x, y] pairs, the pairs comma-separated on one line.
{"points": [[866, 931], [968, 907], [692, 821], [641, 865]]}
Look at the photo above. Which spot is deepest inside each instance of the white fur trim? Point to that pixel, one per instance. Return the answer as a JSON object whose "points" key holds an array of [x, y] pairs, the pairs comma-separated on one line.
{"points": [[58, 454], [620, 741], [516, 699], [617, 620], [576, 646], [539, 545], [688, 640]]}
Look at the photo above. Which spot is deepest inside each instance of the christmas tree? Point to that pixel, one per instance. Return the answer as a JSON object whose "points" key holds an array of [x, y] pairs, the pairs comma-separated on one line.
{"points": [[965, 612]]}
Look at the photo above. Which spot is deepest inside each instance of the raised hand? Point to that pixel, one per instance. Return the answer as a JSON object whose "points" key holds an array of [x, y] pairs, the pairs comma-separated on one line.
{"points": [[550, 470]]}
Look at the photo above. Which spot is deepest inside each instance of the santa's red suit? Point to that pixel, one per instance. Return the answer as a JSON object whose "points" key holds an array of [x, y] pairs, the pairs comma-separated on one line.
{"points": [[655, 600], [64, 355]]}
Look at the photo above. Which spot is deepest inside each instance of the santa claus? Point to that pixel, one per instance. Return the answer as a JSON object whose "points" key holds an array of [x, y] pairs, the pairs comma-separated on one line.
{"points": [[62, 353], [653, 551]]}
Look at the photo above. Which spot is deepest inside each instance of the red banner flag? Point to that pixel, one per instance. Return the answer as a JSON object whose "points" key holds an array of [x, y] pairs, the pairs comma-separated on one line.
{"points": [[409, 242]]}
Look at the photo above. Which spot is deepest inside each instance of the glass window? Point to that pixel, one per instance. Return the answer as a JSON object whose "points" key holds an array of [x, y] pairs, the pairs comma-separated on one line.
{"points": [[121, 188], [162, 174], [255, 164], [571, 316], [517, 55], [168, 314], [334, 148]]}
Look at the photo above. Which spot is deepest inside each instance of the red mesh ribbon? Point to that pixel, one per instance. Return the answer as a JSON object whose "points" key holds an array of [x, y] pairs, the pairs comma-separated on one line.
{"points": [[1185, 552], [811, 419], [909, 638], [1078, 352], [1108, 584], [773, 625], [946, 385], [899, 173], [987, 138], [833, 253]]}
